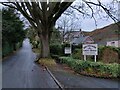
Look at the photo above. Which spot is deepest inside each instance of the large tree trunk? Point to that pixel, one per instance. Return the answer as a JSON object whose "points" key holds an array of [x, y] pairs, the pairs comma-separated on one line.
{"points": [[45, 50]]}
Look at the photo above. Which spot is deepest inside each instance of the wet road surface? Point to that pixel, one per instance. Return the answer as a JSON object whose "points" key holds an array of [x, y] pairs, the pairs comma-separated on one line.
{"points": [[20, 71]]}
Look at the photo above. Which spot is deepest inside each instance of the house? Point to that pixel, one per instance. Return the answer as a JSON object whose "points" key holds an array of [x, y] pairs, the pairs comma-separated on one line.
{"points": [[82, 40], [69, 36], [113, 43], [77, 37]]}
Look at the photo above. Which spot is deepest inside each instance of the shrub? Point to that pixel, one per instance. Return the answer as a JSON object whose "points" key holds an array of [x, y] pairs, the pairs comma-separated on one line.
{"points": [[56, 49], [35, 44], [92, 67], [74, 47], [6, 49], [111, 57], [77, 54], [114, 69]]}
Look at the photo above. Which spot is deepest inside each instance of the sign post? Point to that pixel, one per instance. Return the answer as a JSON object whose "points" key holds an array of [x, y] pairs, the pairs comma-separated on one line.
{"points": [[95, 58], [85, 57], [90, 49]]}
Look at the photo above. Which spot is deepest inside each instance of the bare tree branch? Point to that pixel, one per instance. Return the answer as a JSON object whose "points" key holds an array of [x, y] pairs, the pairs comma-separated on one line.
{"points": [[78, 10], [104, 8], [8, 5]]}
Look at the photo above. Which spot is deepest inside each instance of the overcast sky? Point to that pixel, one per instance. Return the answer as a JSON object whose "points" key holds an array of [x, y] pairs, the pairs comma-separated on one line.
{"points": [[88, 24]]}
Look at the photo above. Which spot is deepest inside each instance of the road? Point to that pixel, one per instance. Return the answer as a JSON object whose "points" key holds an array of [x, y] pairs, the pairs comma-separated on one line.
{"points": [[20, 71]]}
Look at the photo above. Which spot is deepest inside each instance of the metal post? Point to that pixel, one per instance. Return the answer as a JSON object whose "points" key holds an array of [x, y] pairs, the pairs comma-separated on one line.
{"points": [[85, 57]]}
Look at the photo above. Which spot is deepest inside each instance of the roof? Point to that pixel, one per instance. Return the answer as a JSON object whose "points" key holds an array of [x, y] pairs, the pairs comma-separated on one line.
{"points": [[72, 34], [82, 39]]}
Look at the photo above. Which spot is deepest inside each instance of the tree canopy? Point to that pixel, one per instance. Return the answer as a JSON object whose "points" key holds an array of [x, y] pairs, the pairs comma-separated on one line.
{"points": [[12, 27]]}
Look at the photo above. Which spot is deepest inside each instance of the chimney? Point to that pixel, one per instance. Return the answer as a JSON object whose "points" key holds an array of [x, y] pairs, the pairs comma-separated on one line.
{"points": [[81, 33], [80, 30]]}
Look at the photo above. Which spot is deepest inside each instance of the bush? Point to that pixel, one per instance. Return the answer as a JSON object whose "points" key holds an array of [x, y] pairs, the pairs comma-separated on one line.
{"points": [[77, 54], [56, 57], [111, 57], [98, 68], [35, 44], [56, 49], [6, 49], [103, 55]]}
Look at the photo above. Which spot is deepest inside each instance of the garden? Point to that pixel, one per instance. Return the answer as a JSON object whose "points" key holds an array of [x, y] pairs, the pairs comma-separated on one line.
{"points": [[107, 65]]}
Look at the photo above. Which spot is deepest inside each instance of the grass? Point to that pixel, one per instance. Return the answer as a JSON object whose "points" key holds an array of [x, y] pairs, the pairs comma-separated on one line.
{"points": [[44, 61], [47, 62]]}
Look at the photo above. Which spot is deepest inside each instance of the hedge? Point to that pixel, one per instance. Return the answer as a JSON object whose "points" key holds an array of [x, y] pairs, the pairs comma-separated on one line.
{"points": [[56, 49], [8, 48], [97, 68], [77, 54]]}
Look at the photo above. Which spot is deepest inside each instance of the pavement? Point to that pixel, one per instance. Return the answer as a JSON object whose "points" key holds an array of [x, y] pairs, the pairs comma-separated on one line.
{"points": [[69, 79], [20, 71]]}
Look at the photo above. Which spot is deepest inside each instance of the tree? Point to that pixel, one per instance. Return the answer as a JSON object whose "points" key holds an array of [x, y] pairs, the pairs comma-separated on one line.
{"points": [[12, 27], [33, 36], [43, 15], [66, 24], [55, 37]]}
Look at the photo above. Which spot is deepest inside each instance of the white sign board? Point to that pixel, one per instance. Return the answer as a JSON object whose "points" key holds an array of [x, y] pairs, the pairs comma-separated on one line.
{"points": [[67, 50], [90, 49]]}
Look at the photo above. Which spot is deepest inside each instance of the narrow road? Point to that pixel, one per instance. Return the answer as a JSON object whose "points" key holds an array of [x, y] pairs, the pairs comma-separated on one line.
{"points": [[20, 71]]}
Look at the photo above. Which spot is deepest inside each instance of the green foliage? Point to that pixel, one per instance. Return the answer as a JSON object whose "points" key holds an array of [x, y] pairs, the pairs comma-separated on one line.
{"points": [[77, 54], [6, 49], [92, 67], [66, 44], [12, 30], [74, 47], [56, 49], [116, 49], [55, 37], [32, 34], [12, 26]]}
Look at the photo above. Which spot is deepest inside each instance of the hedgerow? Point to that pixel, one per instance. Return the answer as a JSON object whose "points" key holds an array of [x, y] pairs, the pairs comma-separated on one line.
{"points": [[96, 68]]}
